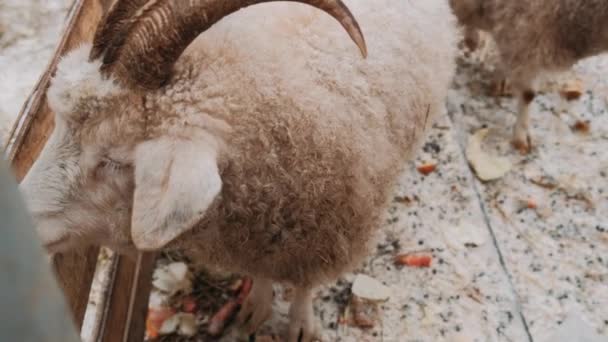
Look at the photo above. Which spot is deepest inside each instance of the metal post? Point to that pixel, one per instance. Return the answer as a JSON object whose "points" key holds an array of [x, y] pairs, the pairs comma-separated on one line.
{"points": [[32, 308]]}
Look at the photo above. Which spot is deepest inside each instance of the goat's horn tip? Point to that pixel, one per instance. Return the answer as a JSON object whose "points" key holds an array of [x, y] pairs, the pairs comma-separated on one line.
{"points": [[363, 51], [360, 41]]}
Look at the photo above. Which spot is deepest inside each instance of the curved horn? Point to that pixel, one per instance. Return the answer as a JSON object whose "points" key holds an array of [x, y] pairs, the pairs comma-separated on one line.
{"points": [[141, 40], [114, 25]]}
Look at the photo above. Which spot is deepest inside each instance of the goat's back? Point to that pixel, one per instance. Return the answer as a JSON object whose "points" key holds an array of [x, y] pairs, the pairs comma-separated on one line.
{"points": [[318, 134]]}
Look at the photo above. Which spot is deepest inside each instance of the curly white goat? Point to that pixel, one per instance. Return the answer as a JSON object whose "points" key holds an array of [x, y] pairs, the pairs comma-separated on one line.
{"points": [[535, 36], [269, 148]]}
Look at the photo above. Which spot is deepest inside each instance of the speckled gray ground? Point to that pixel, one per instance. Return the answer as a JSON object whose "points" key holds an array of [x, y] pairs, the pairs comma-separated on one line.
{"points": [[534, 276], [558, 261]]}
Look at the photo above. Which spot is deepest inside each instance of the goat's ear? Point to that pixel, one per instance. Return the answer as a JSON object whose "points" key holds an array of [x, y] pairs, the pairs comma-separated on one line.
{"points": [[175, 182]]}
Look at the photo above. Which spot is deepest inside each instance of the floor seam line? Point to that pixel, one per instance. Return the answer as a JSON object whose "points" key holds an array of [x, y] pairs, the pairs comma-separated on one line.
{"points": [[486, 219]]}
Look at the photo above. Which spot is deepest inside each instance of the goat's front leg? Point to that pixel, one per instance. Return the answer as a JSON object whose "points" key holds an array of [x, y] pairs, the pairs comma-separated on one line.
{"points": [[302, 324], [257, 308], [521, 134], [500, 86]]}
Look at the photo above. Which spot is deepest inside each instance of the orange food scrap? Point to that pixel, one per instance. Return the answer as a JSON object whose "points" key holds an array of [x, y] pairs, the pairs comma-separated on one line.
{"points": [[151, 330], [582, 126], [189, 304], [244, 291], [531, 204], [218, 322], [427, 168], [156, 318], [413, 260]]}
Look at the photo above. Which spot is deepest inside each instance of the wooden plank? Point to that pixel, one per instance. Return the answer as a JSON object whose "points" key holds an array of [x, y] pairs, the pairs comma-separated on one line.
{"points": [[75, 273], [34, 124], [127, 302]]}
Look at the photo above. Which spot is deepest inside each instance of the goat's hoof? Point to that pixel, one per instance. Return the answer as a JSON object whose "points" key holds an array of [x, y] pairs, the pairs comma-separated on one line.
{"points": [[303, 329], [257, 308], [524, 146]]}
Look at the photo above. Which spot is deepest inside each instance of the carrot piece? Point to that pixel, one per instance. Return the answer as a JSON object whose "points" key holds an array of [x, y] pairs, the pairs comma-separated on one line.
{"points": [[189, 304], [244, 290], [156, 318], [225, 313], [427, 168], [413, 260]]}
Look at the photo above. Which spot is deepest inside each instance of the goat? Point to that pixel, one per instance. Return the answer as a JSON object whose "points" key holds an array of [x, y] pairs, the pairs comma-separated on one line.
{"points": [[535, 36], [265, 147]]}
